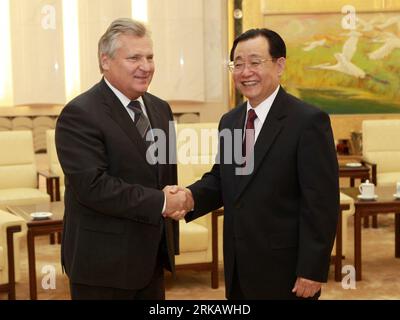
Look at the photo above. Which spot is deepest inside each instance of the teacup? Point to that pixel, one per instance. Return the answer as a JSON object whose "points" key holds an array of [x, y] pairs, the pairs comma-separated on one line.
{"points": [[367, 189]]}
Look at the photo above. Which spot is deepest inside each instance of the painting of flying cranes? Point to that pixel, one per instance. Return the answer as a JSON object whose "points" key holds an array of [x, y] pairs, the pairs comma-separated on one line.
{"points": [[342, 70]]}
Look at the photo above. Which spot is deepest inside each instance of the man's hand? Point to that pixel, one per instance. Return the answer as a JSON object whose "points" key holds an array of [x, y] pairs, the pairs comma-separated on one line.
{"points": [[179, 201], [305, 288]]}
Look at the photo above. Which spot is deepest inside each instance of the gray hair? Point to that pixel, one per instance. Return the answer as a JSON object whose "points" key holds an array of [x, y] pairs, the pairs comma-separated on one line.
{"points": [[109, 43]]}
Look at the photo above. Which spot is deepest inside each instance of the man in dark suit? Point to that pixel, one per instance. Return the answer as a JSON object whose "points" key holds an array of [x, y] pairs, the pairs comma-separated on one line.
{"points": [[116, 240], [280, 216]]}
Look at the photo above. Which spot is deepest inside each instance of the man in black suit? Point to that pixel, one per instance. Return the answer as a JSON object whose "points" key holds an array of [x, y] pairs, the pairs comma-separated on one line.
{"points": [[116, 240], [280, 213]]}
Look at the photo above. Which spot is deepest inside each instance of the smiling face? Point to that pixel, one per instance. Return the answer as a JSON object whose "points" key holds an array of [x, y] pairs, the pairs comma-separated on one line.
{"points": [[258, 83], [131, 68]]}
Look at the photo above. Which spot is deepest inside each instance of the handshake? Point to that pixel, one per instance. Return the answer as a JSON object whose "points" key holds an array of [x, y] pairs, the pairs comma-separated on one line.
{"points": [[179, 201]]}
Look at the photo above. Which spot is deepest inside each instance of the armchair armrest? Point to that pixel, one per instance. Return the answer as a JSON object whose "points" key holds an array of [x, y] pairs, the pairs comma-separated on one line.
{"points": [[10, 224], [372, 165], [52, 184]]}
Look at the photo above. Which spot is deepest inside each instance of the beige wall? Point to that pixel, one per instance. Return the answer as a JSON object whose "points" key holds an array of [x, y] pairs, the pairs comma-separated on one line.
{"points": [[190, 46], [37, 53]]}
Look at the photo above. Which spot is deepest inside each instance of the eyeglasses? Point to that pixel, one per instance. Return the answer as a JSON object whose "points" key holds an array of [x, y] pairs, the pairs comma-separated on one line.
{"points": [[254, 64]]}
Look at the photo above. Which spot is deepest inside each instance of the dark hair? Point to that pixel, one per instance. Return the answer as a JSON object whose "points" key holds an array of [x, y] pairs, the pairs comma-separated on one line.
{"points": [[277, 47]]}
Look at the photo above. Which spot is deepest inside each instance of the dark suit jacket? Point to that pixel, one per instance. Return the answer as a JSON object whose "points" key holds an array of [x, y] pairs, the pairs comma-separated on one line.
{"points": [[113, 225], [280, 221]]}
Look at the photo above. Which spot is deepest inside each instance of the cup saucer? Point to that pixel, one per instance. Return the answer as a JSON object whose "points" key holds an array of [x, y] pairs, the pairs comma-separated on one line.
{"points": [[354, 164], [396, 195], [41, 215], [360, 196]]}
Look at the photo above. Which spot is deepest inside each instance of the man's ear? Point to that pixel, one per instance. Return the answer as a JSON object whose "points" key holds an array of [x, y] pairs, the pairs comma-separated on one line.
{"points": [[105, 61], [281, 62]]}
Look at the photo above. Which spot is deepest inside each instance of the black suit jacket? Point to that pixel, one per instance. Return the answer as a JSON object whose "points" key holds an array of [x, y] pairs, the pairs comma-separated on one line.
{"points": [[113, 225], [279, 221]]}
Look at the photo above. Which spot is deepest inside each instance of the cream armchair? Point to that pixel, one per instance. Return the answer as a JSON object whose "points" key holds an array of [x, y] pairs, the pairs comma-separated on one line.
{"points": [[12, 229], [18, 175], [381, 150], [381, 146], [199, 237]]}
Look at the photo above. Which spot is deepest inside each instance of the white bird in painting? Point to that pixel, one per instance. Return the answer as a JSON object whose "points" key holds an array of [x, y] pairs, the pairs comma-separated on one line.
{"points": [[343, 59], [389, 22], [314, 44], [343, 65], [367, 25], [391, 43], [350, 46]]}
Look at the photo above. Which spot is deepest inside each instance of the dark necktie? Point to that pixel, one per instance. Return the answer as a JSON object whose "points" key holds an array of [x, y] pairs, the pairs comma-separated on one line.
{"points": [[141, 121], [249, 138]]}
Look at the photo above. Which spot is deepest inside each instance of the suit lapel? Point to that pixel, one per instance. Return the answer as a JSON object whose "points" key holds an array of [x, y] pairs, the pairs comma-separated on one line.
{"points": [[270, 130], [122, 118], [237, 125]]}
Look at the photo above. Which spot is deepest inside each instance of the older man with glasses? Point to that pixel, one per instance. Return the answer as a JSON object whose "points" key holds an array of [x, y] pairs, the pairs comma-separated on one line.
{"points": [[280, 218]]}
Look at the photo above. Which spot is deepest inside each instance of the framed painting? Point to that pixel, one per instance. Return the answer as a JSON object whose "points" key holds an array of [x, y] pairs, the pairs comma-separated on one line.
{"points": [[342, 69]]}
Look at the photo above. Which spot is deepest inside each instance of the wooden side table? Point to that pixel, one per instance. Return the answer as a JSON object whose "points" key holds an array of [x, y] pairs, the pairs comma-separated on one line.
{"points": [[37, 228], [385, 203]]}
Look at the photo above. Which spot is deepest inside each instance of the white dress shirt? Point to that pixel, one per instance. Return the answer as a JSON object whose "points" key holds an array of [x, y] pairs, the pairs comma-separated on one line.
{"points": [[125, 101], [261, 111]]}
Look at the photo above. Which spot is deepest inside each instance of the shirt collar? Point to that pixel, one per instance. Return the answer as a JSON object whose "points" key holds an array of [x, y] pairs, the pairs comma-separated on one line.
{"points": [[263, 108], [123, 98]]}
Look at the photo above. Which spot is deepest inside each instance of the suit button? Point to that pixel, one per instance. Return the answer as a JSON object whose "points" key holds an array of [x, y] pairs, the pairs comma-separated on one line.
{"points": [[238, 205]]}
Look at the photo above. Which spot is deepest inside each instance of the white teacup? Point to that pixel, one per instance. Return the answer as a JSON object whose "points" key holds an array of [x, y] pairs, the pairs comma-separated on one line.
{"points": [[367, 189]]}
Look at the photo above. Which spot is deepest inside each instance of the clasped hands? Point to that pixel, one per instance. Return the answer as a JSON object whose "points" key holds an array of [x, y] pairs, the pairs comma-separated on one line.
{"points": [[179, 201]]}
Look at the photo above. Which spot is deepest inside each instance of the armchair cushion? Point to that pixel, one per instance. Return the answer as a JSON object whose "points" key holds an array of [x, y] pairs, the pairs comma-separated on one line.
{"points": [[17, 162], [22, 196], [18, 175], [388, 178], [15, 176]]}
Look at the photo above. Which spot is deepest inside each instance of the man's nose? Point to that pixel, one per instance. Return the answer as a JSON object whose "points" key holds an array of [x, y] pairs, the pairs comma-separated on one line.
{"points": [[247, 69], [146, 65]]}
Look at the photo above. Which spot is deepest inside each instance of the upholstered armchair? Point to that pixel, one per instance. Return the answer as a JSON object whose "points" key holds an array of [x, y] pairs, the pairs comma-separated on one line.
{"points": [[18, 175], [12, 228], [199, 237], [381, 151], [381, 146]]}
